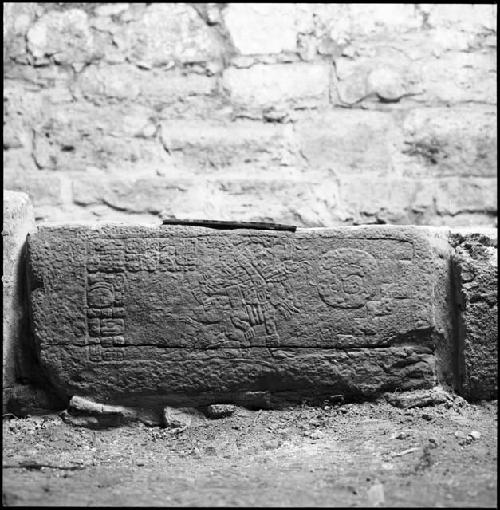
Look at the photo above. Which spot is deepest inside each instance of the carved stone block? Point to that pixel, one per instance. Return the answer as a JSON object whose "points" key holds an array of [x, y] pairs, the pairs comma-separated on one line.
{"points": [[176, 313]]}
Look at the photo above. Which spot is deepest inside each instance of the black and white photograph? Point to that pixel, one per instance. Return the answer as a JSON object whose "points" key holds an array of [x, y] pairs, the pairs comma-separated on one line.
{"points": [[250, 255]]}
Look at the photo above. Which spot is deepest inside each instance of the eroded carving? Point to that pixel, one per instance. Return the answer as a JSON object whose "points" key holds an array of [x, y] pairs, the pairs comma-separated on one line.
{"points": [[105, 298], [183, 310], [345, 278]]}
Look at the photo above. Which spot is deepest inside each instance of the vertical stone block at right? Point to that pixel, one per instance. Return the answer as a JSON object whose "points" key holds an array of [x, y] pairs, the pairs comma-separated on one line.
{"points": [[476, 271]]}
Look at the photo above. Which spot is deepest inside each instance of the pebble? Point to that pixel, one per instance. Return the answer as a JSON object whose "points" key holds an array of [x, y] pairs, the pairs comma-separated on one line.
{"points": [[316, 434], [175, 418], [459, 434], [216, 411], [400, 435], [475, 435], [272, 444], [427, 417]]}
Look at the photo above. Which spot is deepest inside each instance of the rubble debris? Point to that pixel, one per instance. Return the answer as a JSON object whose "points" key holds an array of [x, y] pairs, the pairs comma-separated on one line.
{"points": [[475, 435], [418, 398], [180, 418]]}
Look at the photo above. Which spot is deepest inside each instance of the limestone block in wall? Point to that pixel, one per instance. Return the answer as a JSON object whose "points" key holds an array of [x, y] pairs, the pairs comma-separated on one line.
{"points": [[18, 221], [423, 201], [308, 199], [17, 17], [125, 314], [125, 82], [390, 76], [306, 202], [262, 28], [435, 67], [295, 85], [475, 264], [167, 33], [274, 28], [43, 187], [452, 141], [348, 141], [361, 19], [457, 77], [462, 194], [65, 36], [465, 17], [212, 146]]}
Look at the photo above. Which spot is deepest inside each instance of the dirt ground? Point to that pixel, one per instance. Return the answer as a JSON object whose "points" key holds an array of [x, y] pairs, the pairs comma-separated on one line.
{"points": [[349, 455]]}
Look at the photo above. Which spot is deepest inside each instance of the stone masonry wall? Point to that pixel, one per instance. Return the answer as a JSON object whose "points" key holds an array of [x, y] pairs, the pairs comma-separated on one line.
{"points": [[313, 114]]}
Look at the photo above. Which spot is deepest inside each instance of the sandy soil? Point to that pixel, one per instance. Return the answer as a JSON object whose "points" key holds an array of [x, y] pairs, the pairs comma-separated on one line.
{"points": [[349, 455]]}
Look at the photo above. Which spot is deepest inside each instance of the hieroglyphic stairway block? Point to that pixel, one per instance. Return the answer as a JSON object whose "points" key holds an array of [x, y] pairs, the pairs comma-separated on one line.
{"points": [[174, 312]]}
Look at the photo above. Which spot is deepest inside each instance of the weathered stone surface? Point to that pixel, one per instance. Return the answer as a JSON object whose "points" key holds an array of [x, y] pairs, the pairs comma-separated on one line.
{"points": [[167, 33], [460, 77], [180, 418], [262, 28], [388, 76], [466, 17], [17, 17], [125, 82], [43, 188], [211, 146], [298, 201], [418, 398], [383, 73], [458, 141], [348, 141], [347, 22], [416, 201], [377, 18], [82, 138], [84, 412], [176, 314], [64, 36], [216, 411], [475, 263], [18, 221], [262, 85], [95, 86], [462, 194]]}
